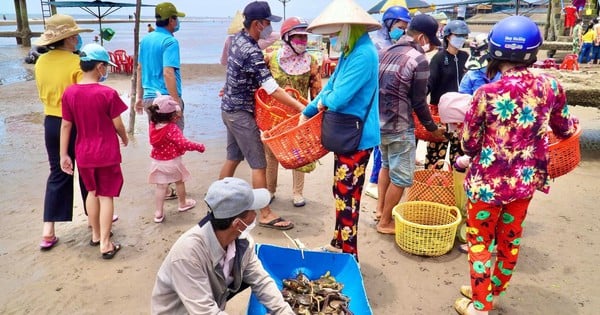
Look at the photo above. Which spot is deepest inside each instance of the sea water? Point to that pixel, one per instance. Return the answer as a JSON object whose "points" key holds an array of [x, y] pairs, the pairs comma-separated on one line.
{"points": [[200, 39]]}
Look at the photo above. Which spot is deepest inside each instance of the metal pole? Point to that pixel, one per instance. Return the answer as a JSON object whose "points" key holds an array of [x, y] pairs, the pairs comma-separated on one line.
{"points": [[284, 3]]}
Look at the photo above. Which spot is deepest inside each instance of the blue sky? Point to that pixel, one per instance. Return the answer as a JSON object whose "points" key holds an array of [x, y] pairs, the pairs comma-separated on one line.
{"points": [[221, 8]]}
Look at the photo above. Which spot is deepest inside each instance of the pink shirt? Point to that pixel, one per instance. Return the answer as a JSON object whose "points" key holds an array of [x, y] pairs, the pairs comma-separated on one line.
{"points": [[92, 108]]}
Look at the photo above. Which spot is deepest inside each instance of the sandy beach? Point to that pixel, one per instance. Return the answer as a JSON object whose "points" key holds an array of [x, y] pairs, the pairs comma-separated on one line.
{"points": [[555, 274]]}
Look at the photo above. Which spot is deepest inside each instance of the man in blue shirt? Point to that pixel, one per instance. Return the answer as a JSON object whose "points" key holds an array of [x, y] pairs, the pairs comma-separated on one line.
{"points": [[158, 62], [246, 72]]}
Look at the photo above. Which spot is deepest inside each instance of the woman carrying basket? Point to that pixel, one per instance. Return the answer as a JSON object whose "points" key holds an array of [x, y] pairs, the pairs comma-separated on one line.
{"points": [[506, 134], [292, 66], [352, 89]]}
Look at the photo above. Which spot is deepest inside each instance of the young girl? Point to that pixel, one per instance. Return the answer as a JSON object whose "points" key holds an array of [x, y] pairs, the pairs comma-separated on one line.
{"points": [[95, 110], [168, 145]]}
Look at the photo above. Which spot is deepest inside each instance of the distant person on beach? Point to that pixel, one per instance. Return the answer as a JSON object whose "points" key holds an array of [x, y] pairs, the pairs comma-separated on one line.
{"points": [[159, 57], [292, 66], [577, 33], [4, 17], [215, 259], [150, 28], [505, 133], [168, 146], [96, 111], [246, 72], [54, 72]]}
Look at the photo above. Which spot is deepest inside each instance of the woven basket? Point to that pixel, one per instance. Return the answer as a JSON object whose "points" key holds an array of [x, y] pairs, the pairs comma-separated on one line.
{"points": [[296, 145], [421, 133], [563, 154], [426, 228], [434, 186], [269, 112]]}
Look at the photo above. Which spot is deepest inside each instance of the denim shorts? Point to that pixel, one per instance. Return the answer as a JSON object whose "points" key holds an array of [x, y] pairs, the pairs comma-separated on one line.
{"points": [[398, 155], [243, 139]]}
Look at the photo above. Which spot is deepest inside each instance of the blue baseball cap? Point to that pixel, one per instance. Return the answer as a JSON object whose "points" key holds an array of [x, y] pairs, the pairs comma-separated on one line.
{"points": [[259, 10], [95, 52]]}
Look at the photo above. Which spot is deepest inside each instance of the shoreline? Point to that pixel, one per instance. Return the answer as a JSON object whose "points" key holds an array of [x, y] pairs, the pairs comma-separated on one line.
{"points": [[39, 21]]}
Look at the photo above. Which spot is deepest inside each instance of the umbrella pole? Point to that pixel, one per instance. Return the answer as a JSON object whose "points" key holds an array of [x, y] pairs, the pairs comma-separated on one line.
{"points": [[134, 78], [100, 23]]}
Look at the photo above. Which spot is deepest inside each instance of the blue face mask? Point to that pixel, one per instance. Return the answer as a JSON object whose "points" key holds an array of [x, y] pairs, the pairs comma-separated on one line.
{"points": [[103, 77], [79, 43], [176, 27], [396, 33]]}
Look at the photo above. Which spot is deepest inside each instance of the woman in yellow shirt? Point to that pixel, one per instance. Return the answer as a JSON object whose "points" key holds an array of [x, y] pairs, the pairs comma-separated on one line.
{"points": [[588, 39]]}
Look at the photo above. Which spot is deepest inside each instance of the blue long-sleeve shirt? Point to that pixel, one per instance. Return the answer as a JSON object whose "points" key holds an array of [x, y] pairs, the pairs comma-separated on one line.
{"points": [[473, 79], [352, 87]]}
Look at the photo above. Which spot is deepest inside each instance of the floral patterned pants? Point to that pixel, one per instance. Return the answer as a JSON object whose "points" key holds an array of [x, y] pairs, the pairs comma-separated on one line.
{"points": [[436, 152], [348, 182], [488, 225]]}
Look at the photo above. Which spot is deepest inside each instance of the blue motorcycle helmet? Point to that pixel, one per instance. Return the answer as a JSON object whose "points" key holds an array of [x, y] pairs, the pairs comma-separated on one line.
{"points": [[458, 27], [516, 39], [396, 13]]}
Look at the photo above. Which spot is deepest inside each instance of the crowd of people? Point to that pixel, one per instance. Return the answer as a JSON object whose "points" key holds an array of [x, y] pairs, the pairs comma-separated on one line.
{"points": [[383, 75]]}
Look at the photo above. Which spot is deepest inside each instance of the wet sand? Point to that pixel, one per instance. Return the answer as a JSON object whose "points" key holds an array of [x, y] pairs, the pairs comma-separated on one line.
{"points": [[555, 274]]}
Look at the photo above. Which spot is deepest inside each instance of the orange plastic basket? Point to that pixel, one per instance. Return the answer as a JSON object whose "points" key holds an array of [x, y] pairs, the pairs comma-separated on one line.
{"points": [[421, 133], [296, 145], [563, 154], [268, 112]]}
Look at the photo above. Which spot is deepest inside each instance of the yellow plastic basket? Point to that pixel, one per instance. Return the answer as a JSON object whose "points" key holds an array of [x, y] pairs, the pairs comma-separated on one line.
{"points": [[426, 228]]}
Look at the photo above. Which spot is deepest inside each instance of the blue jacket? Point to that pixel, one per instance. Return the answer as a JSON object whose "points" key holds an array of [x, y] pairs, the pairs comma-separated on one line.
{"points": [[351, 87], [473, 79]]}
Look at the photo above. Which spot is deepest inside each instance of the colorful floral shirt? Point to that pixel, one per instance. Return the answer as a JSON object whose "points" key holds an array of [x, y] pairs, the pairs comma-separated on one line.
{"points": [[505, 133]]}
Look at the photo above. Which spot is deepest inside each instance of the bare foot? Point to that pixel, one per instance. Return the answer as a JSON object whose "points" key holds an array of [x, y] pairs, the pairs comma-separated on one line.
{"points": [[386, 229]]}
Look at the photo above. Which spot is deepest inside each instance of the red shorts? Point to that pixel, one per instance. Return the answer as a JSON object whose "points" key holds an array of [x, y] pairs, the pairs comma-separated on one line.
{"points": [[105, 181]]}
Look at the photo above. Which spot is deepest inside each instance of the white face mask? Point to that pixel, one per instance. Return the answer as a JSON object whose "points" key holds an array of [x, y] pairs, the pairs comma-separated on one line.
{"points": [[457, 42], [244, 234], [266, 32]]}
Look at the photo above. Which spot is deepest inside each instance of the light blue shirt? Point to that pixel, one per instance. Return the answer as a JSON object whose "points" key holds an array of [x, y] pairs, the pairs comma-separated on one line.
{"points": [[159, 49], [352, 87]]}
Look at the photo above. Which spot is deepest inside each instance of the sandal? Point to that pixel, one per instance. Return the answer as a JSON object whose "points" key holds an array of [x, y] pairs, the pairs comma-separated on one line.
{"points": [[96, 243], [189, 204], [461, 305], [466, 291], [159, 219], [113, 252], [46, 244]]}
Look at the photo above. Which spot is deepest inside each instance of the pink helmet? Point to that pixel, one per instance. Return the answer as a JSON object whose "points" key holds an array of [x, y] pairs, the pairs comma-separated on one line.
{"points": [[293, 25]]}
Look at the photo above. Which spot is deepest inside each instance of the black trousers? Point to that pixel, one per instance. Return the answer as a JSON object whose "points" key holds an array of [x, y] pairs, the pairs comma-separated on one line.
{"points": [[58, 202]]}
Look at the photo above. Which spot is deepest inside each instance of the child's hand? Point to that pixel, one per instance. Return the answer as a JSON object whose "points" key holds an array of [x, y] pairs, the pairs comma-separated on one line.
{"points": [[66, 164], [125, 140], [139, 107], [201, 148]]}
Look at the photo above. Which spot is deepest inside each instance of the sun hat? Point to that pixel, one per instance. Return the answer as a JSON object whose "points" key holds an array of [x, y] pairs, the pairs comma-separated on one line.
{"points": [[338, 13], [58, 27], [166, 104], [166, 10], [427, 25], [95, 52], [231, 196], [259, 10], [453, 107]]}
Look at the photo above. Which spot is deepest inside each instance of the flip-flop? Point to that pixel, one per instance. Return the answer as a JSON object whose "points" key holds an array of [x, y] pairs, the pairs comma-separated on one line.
{"points": [[461, 305], [189, 204], [92, 243], [47, 245], [115, 218], [172, 194], [466, 291], [272, 224], [159, 219], [113, 252]]}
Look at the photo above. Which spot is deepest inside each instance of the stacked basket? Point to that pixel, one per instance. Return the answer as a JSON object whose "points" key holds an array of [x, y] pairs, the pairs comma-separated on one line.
{"points": [[268, 112], [421, 133]]}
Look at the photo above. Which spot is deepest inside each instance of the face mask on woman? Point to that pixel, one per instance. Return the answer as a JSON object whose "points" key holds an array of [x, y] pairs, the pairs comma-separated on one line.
{"points": [[457, 42], [79, 43], [176, 27], [299, 45], [396, 33]]}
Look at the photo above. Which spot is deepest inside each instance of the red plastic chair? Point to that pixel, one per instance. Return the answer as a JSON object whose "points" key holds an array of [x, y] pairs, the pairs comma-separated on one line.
{"points": [[113, 59], [124, 61]]}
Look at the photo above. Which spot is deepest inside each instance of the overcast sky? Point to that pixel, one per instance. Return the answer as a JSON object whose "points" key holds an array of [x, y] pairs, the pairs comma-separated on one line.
{"points": [[199, 8]]}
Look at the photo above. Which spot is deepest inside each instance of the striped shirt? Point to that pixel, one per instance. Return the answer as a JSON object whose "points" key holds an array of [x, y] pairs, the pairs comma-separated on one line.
{"points": [[246, 71], [403, 76]]}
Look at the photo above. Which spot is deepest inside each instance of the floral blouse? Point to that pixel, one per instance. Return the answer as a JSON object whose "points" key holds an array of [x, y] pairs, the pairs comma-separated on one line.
{"points": [[505, 133]]}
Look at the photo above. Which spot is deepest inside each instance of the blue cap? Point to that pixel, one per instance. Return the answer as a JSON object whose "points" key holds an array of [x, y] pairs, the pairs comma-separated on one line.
{"points": [[95, 52], [259, 10]]}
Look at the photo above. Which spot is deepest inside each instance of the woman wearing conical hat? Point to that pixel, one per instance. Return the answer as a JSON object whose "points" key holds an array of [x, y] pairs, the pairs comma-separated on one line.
{"points": [[54, 72], [352, 89]]}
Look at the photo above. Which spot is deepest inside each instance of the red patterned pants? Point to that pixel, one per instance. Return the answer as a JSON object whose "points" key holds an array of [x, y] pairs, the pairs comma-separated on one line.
{"points": [[490, 226], [348, 182]]}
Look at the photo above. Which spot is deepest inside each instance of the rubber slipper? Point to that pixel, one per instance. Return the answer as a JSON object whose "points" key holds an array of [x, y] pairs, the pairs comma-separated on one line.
{"points": [[113, 252], [92, 243], [159, 219], [48, 244], [466, 291], [273, 224], [189, 204], [115, 218], [299, 202], [461, 305]]}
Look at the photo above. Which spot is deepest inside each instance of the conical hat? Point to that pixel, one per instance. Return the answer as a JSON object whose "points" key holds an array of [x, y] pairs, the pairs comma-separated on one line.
{"points": [[237, 23], [340, 12]]}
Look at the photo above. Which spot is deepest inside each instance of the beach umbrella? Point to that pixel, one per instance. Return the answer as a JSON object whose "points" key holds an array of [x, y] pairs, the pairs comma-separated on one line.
{"points": [[412, 5], [98, 8]]}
